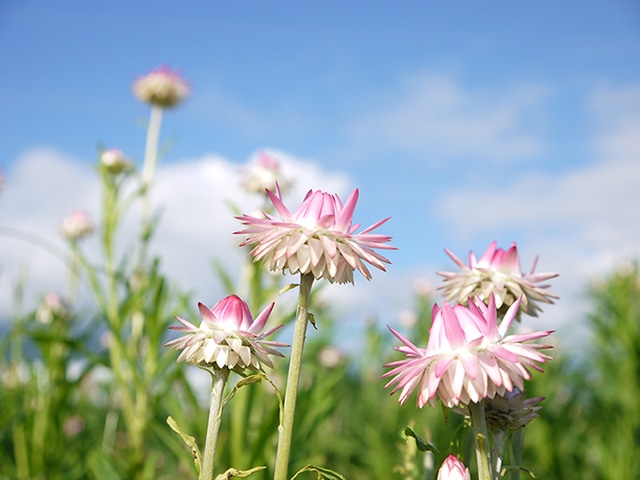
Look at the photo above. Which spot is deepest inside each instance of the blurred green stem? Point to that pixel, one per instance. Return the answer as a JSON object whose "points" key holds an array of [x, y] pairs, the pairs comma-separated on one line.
{"points": [[285, 431], [150, 159], [218, 381]]}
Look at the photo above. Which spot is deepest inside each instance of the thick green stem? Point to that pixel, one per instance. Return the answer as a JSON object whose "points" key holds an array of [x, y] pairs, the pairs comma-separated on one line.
{"points": [[285, 431], [516, 445], [497, 451], [219, 380], [479, 426]]}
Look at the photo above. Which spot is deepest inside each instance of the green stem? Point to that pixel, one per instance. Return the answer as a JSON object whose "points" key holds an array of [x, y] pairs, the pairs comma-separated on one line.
{"points": [[479, 426], [516, 445], [219, 380], [497, 451], [285, 431], [150, 158]]}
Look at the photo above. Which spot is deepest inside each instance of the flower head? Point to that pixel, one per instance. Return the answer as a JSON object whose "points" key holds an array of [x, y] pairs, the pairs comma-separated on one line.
{"points": [[228, 337], [114, 161], [453, 469], [468, 356], [318, 238], [497, 272], [76, 225], [161, 87], [263, 175]]}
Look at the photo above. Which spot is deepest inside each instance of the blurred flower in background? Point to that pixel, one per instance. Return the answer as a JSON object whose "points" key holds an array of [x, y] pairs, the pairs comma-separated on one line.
{"points": [[161, 87], [114, 161], [76, 225], [263, 175], [52, 307]]}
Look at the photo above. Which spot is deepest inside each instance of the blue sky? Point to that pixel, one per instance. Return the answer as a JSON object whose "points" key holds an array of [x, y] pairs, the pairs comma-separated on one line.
{"points": [[465, 121]]}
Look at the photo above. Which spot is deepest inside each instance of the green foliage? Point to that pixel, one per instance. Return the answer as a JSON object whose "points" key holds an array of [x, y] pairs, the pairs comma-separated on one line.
{"points": [[589, 427]]}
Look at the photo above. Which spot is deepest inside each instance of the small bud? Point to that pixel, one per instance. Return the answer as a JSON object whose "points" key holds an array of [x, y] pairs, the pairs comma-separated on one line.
{"points": [[52, 307], [453, 469], [114, 161], [263, 175], [76, 225]]}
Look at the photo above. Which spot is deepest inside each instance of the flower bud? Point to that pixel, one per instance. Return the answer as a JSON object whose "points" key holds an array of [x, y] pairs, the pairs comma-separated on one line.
{"points": [[76, 225], [453, 469], [161, 87]]}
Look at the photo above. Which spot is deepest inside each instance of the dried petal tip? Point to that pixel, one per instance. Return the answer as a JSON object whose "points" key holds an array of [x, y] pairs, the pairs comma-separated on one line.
{"points": [[497, 272], [453, 469], [318, 238], [469, 357], [162, 87], [228, 337]]}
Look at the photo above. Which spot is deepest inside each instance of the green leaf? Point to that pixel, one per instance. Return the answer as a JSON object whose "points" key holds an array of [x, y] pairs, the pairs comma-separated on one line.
{"points": [[421, 443], [189, 441], [234, 473], [286, 288], [320, 473], [101, 467]]}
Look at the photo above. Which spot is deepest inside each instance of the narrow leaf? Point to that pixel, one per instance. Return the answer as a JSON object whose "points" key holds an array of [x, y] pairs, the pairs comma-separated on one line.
{"points": [[189, 441]]}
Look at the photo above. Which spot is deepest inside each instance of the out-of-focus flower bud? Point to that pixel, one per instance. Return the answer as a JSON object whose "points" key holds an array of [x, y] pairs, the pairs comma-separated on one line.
{"points": [[162, 87], [76, 225], [114, 161]]}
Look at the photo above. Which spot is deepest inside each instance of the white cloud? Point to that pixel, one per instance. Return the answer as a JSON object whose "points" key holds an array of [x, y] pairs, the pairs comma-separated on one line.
{"points": [[436, 117], [582, 221], [196, 224]]}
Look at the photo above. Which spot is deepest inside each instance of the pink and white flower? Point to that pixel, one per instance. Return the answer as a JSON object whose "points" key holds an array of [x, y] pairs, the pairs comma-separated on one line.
{"points": [[228, 337], [264, 174], [318, 238], [497, 272], [162, 87], [468, 357], [453, 469], [76, 225]]}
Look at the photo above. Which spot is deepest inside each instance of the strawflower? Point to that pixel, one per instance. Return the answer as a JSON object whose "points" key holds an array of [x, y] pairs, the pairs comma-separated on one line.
{"points": [[228, 337], [161, 87], [497, 272], [263, 175], [318, 238], [468, 357], [453, 469], [76, 225]]}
